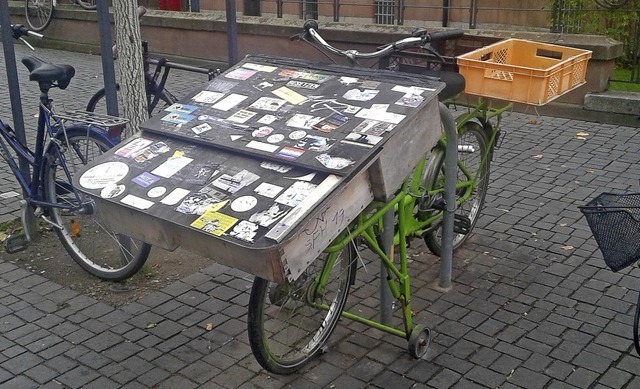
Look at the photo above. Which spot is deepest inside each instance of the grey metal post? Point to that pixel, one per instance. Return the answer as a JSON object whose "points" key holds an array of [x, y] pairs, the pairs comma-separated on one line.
{"points": [[450, 176], [386, 243], [108, 70], [232, 32], [28, 219]]}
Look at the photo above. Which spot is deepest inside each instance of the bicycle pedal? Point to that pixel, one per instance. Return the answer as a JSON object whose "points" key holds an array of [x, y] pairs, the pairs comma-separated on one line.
{"points": [[461, 224], [16, 242]]}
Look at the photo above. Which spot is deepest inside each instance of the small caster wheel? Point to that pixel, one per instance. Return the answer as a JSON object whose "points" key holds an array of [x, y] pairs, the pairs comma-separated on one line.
{"points": [[419, 341]]}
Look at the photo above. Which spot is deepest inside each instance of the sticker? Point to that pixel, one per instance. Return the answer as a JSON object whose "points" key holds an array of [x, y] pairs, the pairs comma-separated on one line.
{"points": [[348, 80], [171, 166], [240, 74], [244, 203], [159, 148], [136, 202], [178, 118], [290, 95], [410, 100], [275, 166], [269, 148], [201, 173], [290, 153], [336, 163], [330, 122], [196, 203], [302, 121], [333, 105], [269, 216], [268, 104], [244, 231], [360, 139], [373, 127], [229, 102], [360, 95], [241, 116], [112, 190], [157, 191], [268, 190], [414, 90], [303, 85], [214, 223], [379, 107], [275, 138], [234, 183], [259, 67], [104, 174], [200, 128], [133, 147], [220, 85], [143, 155], [267, 119], [145, 179], [295, 193], [370, 84], [263, 85], [175, 196], [207, 97], [316, 143], [179, 107], [307, 177], [262, 132], [304, 75], [297, 134], [388, 117], [235, 137]]}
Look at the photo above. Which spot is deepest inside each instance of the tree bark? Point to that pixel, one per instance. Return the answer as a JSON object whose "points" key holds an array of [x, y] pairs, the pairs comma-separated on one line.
{"points": [[130, 64]]}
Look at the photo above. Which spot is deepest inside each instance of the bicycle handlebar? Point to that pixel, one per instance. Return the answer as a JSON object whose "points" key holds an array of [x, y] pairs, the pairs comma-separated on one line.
{"points": [[20, 30], [418, 38]]}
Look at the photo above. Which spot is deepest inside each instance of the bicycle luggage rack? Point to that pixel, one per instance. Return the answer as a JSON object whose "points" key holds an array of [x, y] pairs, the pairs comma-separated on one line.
{"points": [[101, 120]]}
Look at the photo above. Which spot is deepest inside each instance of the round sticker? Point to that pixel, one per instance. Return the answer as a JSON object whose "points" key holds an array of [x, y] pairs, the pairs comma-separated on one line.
{"points": [[262, 132], [111, 191], [297, 135], [275, 138], [104, 174], [244, 203], [157, 191]]}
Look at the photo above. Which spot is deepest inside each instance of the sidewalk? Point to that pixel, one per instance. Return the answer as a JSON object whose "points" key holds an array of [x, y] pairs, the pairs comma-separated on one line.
{"points": [[533, 304]]}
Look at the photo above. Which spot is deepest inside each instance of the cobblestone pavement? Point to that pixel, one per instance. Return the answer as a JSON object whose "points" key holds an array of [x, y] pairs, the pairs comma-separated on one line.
{"points": [[533, 304]]}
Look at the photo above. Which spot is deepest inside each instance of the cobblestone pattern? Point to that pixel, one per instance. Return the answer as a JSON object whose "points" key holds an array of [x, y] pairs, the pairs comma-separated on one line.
{"points": [[533, 304]]}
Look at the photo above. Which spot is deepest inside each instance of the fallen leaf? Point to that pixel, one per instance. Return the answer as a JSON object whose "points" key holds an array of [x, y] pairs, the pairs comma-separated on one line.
{"points": [[74, 231], [568, 247], [589, 170], [151, 324], [582, 133], [209, 326], [537, 156], [580, 137], [533, 121]]}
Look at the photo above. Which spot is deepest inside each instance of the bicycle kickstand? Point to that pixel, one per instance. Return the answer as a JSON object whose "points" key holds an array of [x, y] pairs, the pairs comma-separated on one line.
{"points": [[18, 241]]}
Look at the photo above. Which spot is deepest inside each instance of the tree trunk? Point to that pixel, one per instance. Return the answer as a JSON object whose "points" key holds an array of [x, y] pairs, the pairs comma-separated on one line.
{"points": [[130, 64]]}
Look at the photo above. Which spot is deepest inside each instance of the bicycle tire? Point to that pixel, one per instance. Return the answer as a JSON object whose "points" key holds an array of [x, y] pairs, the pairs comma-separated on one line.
{"points": [[89, 5], [38, 14], [87, 238], [472, 142], [98, 104], [285, 330]]}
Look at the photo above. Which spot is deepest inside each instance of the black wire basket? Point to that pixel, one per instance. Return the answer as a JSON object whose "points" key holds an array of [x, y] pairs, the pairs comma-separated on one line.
{"points": [[614, 220]]}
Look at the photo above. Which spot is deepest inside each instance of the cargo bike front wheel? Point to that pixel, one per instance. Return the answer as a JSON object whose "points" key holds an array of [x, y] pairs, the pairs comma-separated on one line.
{"points": [[289, 323]]}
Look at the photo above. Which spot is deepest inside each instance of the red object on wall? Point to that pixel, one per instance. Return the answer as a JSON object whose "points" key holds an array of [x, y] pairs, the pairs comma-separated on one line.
{"points": [[169, 5]]}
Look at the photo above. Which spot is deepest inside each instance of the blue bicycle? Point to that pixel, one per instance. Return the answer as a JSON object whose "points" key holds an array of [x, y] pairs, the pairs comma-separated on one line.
{"points": [[65, 142]]}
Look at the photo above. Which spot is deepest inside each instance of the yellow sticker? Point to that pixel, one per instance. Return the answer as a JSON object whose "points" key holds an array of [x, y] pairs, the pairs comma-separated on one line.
{"points": [[177, 154], [290, 95], [214, 222]]}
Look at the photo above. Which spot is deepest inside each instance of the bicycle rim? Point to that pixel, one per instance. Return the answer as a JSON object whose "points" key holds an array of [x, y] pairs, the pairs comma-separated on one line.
{"points": [[38, 14], [472, 143], [87, 4], [88, 239], [289, 323]]}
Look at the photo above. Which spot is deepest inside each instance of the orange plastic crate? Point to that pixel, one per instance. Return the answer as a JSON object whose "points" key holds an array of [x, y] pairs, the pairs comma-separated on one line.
{"points": [[523, 71]]}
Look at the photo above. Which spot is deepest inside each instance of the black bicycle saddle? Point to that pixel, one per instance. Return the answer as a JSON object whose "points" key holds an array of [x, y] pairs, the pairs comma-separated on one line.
{"points": [[454, 82], [48, 75]]}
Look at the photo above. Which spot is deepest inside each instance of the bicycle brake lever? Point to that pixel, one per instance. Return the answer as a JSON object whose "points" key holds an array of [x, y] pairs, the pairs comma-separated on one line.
{"points": [[27, 43]]}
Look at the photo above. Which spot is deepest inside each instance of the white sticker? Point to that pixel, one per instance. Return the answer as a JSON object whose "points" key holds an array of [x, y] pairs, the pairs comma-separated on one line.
{"points": [[112, 190], [136, 202], [244, 203], [275, 138], [175, 196], [297, 135], [157, 191], [208, 97], [267, 119], [104, 174], [268, 190], [171, 166], [262, 146], [133, 147], [229, 102], [388, 117]]}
